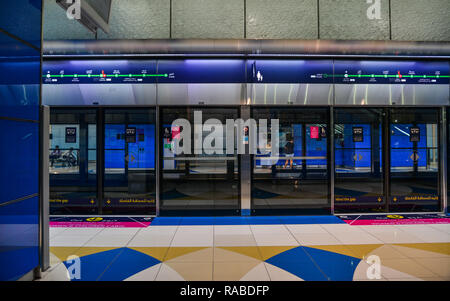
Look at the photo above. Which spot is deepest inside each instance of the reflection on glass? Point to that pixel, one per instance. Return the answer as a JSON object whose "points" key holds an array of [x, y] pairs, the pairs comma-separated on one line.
{"points": [[130, 179], [204, 178], [415, 184], [72, 157], [358, 168], [64, 148], [297, 179]]}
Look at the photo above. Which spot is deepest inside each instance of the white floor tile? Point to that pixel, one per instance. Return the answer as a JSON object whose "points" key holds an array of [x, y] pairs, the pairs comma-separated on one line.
{"points": [[425, 233], [356, 238], [273, 235], [310, 239], [146, 275], [56, 231], [390, 234], [157, 236], [69, 241], [112, 237], [193, 236], [306, 229], [442, 227]]}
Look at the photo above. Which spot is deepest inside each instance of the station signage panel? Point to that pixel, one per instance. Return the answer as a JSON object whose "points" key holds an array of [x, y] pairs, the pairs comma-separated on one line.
{"points": [[391, 72], [244, 71], [290, 71], [130, 135], [100, 72], [414, 134], [71, 135], [358, 134]]}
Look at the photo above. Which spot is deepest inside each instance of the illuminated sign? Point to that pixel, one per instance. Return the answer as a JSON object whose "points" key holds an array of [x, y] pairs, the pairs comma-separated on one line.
{"points": [[414, 134], [71, 135], [358, 134]]}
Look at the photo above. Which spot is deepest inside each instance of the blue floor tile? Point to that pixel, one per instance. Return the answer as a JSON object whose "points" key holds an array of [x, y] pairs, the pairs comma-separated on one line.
{"points": [[336, 267], [92, 266], [296, 261], [128, 263]]}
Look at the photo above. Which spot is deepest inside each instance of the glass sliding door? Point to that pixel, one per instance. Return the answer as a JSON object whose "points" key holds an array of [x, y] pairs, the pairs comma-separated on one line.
{"points": [[296, 180], [414, 156], [73, 156], [358, 160], [197, 178], [129, 174]]}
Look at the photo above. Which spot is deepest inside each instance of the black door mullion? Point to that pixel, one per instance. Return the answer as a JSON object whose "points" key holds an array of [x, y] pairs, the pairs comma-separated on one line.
{"points": [[100, 158], [386, 139]]}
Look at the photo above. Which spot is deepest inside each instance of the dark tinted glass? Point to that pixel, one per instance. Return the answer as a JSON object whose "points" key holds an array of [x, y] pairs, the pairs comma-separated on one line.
{"points": [[130, 178], [414, 182], [358, 160], [73, 162], [199, 181], [296, 181]]}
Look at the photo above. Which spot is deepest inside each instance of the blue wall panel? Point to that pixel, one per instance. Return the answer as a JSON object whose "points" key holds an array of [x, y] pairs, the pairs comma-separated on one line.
{"points": [[18, 238], [19, 137], [19, 159], [22, 18]]}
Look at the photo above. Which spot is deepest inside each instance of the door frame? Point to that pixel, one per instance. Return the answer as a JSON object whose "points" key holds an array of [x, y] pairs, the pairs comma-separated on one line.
{"points": [[386, 155]]}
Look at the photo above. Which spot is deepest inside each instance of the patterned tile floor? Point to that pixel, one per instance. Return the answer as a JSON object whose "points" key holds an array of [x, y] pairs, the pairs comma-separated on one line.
{"points": [[266, 252]]}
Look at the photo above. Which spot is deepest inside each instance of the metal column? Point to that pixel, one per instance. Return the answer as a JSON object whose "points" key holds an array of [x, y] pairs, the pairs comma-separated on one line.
{"points": [[331, 169], [443, 159], [100, 157], [157, 161], [246, 165]]}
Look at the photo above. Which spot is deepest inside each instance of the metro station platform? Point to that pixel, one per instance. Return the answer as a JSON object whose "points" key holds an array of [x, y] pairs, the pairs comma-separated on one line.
{"points": [[276, 248]]}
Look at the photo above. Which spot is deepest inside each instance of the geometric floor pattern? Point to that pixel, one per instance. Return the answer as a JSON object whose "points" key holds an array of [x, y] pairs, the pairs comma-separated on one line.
{"points": [[287, 252]]}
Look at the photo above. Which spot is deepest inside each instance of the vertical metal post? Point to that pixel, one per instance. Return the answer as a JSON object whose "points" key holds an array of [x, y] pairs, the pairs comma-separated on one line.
{"points": [[44, 189], [157, 161], [331, 169], [386, 140], [245, 171], [100, 157], [443, 159]]}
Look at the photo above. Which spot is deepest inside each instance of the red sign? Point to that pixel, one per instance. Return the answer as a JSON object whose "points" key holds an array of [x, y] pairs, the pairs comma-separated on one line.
{"points": [[314, 132], [175, 132]]}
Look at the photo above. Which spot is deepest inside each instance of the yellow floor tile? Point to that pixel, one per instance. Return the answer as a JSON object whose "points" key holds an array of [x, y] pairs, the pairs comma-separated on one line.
{"points": [[439, 266], [189, 254], [361, 251], [155, 252], [382, 251], [252, 252], [407, 266], [440, 248], [270, 251], [63, 252], [193, 271], [85, 251], [344, 249]]}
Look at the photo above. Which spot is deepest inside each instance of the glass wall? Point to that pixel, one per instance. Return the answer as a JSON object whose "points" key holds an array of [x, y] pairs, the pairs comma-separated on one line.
{"points": [[129, 158], [358, 160], [414, 157], [73, 162], [385, 124], [296, 181]]}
